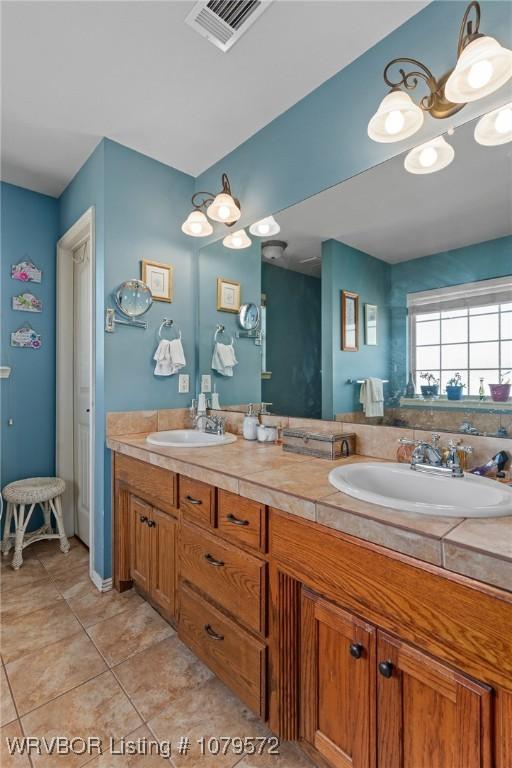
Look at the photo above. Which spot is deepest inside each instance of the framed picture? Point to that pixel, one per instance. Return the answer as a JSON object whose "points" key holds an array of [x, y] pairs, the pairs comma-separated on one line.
{"points": [[228, 295], [159, 279], [349, 321], [370, 325]]}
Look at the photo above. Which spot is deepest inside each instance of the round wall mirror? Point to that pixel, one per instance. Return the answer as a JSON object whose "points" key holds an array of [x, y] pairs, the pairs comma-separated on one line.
{"points": [[249, 316], [133, 298]]}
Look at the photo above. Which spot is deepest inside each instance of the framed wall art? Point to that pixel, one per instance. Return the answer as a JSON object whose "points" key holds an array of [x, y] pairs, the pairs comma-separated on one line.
{"points": [[228, 295], [349, 321], [159, 279], [26, 271], [370, 325], [26, 338]]}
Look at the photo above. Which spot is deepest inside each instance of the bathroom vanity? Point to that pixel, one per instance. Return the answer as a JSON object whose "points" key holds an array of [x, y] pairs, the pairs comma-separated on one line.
{"points": [[368, 655]]}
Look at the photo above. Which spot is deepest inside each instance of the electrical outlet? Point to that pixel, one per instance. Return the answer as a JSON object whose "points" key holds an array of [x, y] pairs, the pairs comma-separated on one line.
{"points": [[184, 383], [206, 383]]}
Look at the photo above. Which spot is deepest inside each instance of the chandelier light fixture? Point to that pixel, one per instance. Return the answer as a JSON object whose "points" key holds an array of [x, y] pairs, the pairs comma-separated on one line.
{"points": [[495, 127], [265, 227], [483, 66], [222, 207], [429, 157], [237, 240]]}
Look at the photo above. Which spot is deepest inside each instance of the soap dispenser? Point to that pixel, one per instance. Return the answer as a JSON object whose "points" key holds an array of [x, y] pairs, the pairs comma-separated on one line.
{"points": [[251, 422]]}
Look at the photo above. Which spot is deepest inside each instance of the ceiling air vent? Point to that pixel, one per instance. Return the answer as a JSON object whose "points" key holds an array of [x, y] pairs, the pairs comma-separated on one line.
{"points": [[223, 22]]}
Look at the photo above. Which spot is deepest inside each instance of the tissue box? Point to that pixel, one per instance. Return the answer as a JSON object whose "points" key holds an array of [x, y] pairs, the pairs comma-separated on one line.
{"points": [[322, 445]]}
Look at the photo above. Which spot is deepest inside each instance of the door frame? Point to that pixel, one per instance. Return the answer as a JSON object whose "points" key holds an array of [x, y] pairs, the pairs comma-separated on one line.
{"points": [[80, 231]]}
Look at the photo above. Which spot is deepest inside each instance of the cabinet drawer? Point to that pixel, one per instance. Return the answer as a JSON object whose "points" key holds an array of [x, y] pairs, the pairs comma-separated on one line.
{"points": [[197, 501], [151, 483], [231, 652], [230, 577], [242, 520]]}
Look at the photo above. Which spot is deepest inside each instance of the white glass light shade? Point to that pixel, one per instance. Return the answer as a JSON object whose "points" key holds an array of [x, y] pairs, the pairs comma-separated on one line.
{"points": [[265, 227], [429, 157], [224, 209], [483, 67], [495, 127], [237, 240], [197, 225], [396, 118]]}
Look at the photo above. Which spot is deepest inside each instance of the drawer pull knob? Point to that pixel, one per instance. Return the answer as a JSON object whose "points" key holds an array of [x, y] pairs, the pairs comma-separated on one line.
{"points": [[211, 633], [236, 520], [143, 519], [213, 561], [356, 650], [386, 668], [191, 500], [151, 524]]}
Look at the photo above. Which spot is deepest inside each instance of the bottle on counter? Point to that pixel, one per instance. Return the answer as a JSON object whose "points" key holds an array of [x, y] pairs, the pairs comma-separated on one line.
{"points": [[481, 390], [250, 427]]}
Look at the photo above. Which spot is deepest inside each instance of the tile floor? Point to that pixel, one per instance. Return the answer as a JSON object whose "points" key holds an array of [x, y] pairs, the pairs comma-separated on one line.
{"points": [[78, 663]]}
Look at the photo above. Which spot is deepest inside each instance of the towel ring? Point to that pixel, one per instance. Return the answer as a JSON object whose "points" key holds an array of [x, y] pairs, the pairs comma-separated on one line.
{"points": [[167, 324], [221, 329]]}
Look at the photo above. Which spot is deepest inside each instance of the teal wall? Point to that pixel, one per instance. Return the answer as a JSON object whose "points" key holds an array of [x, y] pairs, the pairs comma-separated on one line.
{"points": [[29, 228], [293, 342], [323, 139], [482, 261], [345, 268], [215, 260]]}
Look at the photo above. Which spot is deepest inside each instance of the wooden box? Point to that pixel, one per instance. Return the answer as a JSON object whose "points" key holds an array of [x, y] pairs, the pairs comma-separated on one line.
{"points": [[323, 445]]}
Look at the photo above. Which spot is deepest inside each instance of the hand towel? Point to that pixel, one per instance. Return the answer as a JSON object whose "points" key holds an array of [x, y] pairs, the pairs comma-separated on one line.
{"points": [[372, 397], [169, 357], [224, 359]]}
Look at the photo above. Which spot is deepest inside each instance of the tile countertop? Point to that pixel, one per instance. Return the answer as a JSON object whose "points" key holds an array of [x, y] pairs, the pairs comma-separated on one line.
{"points": [[479, 548]]}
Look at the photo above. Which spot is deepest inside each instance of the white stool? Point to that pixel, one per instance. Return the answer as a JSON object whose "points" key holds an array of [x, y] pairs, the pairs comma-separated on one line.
{"points": [[42, 491]]}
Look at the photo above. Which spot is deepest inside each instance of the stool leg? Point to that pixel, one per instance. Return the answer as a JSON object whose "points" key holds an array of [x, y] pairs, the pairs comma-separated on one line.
{"points": [[47, 517], [7, 538], [57, 511], [19, 523]]}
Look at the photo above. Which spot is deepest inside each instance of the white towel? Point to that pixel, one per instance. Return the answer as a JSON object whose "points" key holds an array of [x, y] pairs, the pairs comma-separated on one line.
{"points": [[224, 359], [169, 357], [372, 397]]}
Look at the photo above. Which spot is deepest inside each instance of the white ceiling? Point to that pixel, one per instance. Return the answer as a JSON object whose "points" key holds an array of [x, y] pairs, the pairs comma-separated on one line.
{"points": [[73, 72], [394, 215]]}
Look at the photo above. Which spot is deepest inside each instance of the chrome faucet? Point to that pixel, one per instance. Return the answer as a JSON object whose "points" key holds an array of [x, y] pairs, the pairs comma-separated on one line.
{"points": [[205, 422], [431, 458]]}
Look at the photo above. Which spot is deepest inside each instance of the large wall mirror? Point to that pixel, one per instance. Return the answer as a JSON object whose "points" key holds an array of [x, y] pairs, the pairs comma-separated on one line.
{"points": [[398, 276]]}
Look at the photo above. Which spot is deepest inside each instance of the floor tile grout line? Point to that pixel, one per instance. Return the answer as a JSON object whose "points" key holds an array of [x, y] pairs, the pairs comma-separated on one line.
{"points": [[18, 718]]}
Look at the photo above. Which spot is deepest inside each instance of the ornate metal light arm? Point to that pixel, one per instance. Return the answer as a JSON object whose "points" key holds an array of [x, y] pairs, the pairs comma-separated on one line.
{"points": [[435, 101], [201, 200]]}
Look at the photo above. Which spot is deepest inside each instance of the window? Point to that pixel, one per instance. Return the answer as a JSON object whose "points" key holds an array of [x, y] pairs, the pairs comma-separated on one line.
{"points": [[463, 328]]}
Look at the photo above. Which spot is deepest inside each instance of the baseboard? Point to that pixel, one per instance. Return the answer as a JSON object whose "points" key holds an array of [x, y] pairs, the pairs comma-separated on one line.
{"points": [[102, 585]]}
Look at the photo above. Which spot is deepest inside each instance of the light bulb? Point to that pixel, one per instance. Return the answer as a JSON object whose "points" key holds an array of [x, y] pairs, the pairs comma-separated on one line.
{"points": [[503, 122], [394, 122], [196, 228], [237, 241], [427, 157], [263, 228], [223, 212], [480, 73]]}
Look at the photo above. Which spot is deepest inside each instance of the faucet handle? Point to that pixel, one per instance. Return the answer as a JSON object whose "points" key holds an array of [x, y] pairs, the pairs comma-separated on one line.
{"points": [[436, 437]]}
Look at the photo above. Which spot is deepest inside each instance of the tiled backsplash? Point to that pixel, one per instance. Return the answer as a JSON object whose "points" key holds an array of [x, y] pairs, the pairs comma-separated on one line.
{"points": [[377, 441], [434, 419]]}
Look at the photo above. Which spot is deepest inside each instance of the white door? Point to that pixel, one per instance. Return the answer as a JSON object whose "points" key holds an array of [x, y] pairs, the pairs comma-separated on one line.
{"points": [[81, 391]]}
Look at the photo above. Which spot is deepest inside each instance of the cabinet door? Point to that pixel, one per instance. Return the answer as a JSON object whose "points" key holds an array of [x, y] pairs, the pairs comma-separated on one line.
{"points": [[140, 555], [163, 560], [337, 683], [429, 716]]}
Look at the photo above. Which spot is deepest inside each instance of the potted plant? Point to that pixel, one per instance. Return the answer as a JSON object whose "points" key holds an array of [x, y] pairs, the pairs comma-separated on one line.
{"points": [[500, 393], [431, 388], [454, 387]]}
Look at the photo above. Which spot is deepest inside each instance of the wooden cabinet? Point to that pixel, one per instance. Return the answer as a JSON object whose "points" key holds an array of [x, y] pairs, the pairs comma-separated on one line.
{"points": [[197, 502], [140, 549], [337, 683], [369, 699], [428, 715], [153, 553], [242, 521]]}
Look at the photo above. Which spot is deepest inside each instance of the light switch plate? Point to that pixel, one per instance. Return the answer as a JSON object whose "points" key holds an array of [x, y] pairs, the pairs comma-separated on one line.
{"points": [[206, 383], [184, 383]]}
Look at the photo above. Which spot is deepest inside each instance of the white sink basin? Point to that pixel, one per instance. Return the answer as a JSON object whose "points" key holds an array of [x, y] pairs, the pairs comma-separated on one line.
{"points": [[400, 487], [188, 438]]}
